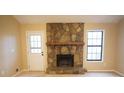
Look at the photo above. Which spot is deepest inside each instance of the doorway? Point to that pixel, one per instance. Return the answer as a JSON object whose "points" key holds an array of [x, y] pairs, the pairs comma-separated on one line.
{"points": [[35, 51]]}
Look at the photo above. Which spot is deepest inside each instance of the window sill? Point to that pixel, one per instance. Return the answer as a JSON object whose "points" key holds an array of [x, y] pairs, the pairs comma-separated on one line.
{"points": [[94, 61]]}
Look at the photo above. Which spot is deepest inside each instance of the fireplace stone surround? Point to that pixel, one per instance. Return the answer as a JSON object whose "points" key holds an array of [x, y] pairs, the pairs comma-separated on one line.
{"points": [[65, 39]]}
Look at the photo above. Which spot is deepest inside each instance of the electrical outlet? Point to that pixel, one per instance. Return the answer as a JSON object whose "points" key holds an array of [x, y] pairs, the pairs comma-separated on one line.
{"points": [[17, 69]]}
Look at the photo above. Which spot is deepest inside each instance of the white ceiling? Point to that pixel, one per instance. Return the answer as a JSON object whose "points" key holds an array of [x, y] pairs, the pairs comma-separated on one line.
{"points": [[36, 19]]}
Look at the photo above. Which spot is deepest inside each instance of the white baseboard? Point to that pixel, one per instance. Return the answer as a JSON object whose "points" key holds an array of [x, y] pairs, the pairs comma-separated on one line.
{"points": [[119, 73], [100, 70], [27, 70]]}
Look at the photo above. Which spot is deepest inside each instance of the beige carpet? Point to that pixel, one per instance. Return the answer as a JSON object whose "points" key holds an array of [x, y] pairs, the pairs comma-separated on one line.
{"points": [[88, 74]]}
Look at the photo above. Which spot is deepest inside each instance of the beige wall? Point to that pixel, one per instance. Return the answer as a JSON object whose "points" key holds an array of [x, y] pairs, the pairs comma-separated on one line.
{"points": [[11, 44], [109, 46], [10, 57], [120, 48], [24, 29], [110, 40]]}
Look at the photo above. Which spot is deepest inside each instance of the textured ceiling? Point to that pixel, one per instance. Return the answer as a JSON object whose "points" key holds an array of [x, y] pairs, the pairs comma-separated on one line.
{"points": [[36, 19]]}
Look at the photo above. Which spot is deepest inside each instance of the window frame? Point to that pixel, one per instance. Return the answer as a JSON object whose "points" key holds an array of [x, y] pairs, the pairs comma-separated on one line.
{"points": [[101, 46]]}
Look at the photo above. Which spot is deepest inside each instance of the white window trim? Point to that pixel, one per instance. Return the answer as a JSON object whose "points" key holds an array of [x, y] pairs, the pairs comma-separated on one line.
{"points": [[102, 47]]}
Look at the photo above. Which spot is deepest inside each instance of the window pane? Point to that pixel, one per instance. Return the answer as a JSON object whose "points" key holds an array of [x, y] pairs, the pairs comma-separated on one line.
{"points": [[94, 56], [38, 44], [94, 34], [98, 56], [32, 38], [90, 41], [89, 56], [90, 50], [90, 35], [94, 49], [98, 42], [94, 41], [99, 34], [34, 44], [38, 38], [35, 38], [99, 50], [38, 50], [35, 50]]}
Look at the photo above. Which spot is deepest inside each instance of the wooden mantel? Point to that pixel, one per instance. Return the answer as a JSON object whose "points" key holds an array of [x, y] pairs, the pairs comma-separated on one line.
{"points": [[65, 43]]}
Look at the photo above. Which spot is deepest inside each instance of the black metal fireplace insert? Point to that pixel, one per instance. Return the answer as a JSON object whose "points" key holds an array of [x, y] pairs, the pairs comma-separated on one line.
{"points": [[65, 60]]}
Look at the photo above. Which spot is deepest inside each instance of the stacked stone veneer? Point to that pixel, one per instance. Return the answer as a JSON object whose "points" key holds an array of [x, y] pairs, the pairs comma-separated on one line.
{"points": [[65, 32]]}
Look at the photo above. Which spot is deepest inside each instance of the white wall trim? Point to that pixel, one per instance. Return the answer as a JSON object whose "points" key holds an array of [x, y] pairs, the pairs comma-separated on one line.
{"points": [[119, 73], [100, 70]]}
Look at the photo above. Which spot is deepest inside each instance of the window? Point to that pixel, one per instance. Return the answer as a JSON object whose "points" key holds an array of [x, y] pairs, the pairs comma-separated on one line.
{"points": [[35, 43], [95, 45]]}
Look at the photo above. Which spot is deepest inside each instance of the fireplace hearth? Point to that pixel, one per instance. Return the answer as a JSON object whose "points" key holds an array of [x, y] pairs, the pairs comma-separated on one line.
{"points": [[65, 60]]}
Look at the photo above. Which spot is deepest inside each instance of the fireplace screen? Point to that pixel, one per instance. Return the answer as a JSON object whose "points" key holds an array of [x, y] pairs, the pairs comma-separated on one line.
{"points": [[65, 60]]}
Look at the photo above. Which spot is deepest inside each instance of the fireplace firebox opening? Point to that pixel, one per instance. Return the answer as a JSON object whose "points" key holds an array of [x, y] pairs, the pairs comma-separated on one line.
{"points": [[65, 60]]}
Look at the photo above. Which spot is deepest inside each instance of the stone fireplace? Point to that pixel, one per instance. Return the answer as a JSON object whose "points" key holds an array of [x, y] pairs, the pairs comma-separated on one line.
{"points": [[65, 48]]}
